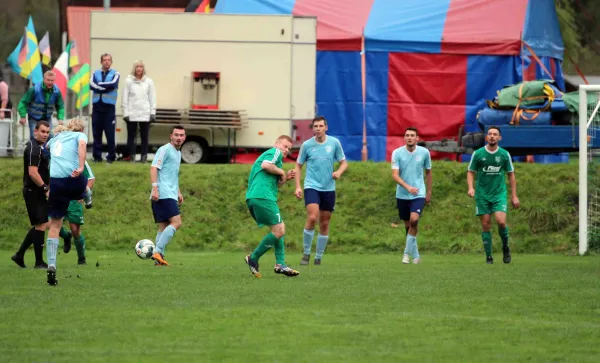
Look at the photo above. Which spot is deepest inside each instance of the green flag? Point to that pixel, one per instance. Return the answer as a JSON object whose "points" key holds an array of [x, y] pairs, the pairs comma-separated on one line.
{"points": [[80, 84]]}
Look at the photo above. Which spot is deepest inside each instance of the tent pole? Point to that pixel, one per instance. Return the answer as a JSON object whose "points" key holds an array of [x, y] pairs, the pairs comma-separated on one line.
{"points": [[364, 152]]}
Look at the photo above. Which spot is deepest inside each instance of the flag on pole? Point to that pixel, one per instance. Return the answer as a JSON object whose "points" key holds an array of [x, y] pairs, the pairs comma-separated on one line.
{"points": [[80, 84], [45, 49], [73, 55], [32, 68], [61, 72], [204, 7], [22, 60]]}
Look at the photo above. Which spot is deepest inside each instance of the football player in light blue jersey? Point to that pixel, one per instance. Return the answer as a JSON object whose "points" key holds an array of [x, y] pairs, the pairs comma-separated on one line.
{"points": [[408, 164], [165, 196], [320, 154], [67, 183]]}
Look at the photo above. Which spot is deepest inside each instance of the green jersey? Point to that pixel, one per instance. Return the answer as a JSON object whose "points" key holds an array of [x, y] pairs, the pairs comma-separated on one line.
{"points": [[261, 184], [490, 168], [87, 171]]}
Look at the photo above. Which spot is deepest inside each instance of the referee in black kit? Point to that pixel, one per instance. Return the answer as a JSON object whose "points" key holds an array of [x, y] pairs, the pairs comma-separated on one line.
{"points": [[36, 176]]}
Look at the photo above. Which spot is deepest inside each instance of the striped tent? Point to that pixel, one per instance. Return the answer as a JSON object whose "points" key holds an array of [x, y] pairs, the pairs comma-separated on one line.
{"points": [[429, 64]]}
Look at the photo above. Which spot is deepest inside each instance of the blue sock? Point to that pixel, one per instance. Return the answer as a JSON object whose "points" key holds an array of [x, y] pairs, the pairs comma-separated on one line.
{"points": [[158, 234], [321, 244], [415, 248], [165, 237], [408, 247], [51, 248], [308, 238]]}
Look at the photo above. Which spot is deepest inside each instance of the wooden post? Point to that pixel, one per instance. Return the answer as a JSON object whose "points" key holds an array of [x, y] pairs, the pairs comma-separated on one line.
{"points": [[365, 151]]}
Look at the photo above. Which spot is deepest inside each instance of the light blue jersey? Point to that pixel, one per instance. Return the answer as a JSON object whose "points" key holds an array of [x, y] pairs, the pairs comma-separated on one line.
{"points": [[411, 166], [167, 159], [319, 159], [64, 156]]}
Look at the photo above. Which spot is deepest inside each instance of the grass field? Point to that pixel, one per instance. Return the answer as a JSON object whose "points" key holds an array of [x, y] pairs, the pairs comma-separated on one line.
{"points": [[215, 217], [355, 307]]}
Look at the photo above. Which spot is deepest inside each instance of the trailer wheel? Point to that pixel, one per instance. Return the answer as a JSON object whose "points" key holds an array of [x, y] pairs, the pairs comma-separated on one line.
{"points": [[194, 151]]}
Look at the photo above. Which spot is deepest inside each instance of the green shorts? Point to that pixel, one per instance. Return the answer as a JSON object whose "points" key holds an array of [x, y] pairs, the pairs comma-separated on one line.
{"points": [[483, 206], [265, 212], [75, 213]]}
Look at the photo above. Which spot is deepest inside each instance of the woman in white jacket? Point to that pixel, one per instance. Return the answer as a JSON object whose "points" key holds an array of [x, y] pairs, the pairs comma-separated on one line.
{"points": [[139, 107]]}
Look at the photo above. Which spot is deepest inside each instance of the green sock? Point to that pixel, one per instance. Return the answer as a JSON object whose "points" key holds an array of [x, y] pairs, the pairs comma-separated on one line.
{"points": [[503, 235], [280, 252], [268, 242], [63, 233], [80, 246], [487, 242]]}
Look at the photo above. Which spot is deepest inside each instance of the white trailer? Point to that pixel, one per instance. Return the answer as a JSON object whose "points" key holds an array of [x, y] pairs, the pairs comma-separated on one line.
{"points": [[234, 81]]}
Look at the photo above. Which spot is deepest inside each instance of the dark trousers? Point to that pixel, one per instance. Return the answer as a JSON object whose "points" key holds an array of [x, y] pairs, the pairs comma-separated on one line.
{"points": [[104, 122], [131, 136]]}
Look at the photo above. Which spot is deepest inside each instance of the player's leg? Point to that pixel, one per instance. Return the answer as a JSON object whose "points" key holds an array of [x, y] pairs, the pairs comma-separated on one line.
{"points": [[75, 219], [31, 203], [311, 201], [483, 211], [326, 208], [72, 216], [416, 209], [166, 215], [278, 231], [403, 207], [503, 231]]}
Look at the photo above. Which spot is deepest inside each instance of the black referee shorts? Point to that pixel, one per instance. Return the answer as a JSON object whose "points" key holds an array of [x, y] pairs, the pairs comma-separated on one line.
{"points": [[37, 206]]}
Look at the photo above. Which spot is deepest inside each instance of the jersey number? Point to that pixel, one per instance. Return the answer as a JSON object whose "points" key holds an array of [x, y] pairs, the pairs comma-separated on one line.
{"points": [[56, 149]]}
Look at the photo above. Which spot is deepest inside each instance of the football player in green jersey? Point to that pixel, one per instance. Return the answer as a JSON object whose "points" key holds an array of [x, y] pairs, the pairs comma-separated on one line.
{"points": [[266, 176], [490, 163]]}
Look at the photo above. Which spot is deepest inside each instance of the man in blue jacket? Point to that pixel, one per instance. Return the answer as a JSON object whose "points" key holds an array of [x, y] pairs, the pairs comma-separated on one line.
{"points": [[104, 84]]}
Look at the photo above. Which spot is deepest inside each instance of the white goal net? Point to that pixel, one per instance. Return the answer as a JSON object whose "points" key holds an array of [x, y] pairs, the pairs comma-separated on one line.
{"points": [[589, 157]]}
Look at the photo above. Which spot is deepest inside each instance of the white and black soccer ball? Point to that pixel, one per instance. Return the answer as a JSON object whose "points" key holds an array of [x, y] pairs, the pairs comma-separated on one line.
{"points": [[144, 249]]}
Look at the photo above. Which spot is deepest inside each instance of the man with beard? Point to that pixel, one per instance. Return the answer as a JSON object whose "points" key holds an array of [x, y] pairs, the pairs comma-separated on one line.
{"points": [[408, 164], [490, 163]]}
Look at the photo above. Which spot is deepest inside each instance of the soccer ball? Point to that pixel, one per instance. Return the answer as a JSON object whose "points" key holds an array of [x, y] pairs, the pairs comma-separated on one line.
{"points": [[144, 248]]}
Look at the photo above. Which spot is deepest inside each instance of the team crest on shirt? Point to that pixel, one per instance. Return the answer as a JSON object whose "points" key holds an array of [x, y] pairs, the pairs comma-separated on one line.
{"points": [[498, 159], [418, 158], [328, 149]]}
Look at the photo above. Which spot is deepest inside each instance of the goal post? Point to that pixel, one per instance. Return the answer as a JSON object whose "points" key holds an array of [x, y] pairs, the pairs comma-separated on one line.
{"points": [[589, 197]]}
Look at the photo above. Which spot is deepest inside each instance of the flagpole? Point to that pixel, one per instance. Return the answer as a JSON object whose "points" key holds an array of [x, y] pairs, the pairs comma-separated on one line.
{"points": [[365, 151]]}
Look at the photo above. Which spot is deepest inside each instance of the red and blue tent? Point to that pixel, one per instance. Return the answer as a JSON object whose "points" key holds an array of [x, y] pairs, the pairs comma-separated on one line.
{"points": [[430, 64]]}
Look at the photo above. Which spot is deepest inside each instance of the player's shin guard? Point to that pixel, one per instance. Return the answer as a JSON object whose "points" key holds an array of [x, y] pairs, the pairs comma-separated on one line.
{"points": [[266, 243], [63, 233], [51, 250], [80, 246], [308, 238], [487, 242], [503, 235], [88, 196], [38, 246], [321, 244], [166, 236], [280, 252]]}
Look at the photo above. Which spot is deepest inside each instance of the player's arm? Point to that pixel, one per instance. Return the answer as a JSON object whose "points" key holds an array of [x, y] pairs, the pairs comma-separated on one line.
{"points": [[471, 174], [271, 168], [154, 181], [401, 182], [428, 177], [35, 155], [341, 157], [512, 179], [298, 170]]}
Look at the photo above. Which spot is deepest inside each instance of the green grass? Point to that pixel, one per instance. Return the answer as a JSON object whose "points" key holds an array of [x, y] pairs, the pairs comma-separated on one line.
{"points": [[354, 307], [215, 215]]}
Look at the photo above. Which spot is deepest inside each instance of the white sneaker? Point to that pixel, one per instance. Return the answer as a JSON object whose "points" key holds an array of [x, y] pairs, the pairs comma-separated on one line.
{"points": [[417, 261], [406, 259]]}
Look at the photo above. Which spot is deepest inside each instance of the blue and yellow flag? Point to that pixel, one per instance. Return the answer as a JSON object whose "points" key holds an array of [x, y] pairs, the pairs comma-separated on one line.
{"points": [[31, 67]]}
